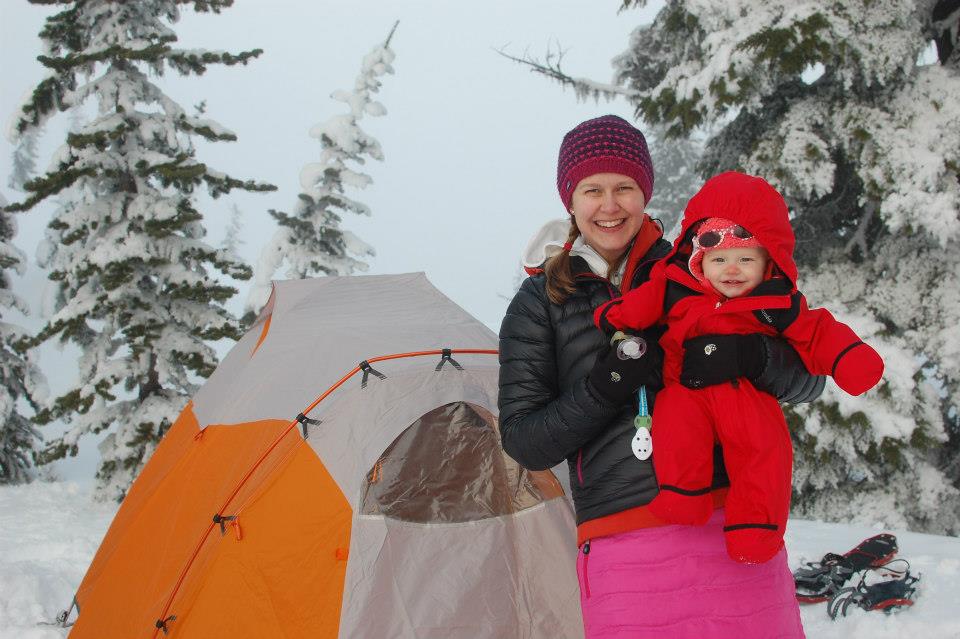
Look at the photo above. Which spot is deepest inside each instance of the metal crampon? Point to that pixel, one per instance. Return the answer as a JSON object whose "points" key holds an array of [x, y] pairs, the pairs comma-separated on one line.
{"points": [[895, 588]]}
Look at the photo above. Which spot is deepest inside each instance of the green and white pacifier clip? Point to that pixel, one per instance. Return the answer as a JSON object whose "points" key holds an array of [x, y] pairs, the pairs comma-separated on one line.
{"points": [[635, 347], [642, 443]]}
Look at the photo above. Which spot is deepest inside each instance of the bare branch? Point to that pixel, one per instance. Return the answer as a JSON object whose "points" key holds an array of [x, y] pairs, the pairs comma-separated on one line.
{"points": [[583, 87]]}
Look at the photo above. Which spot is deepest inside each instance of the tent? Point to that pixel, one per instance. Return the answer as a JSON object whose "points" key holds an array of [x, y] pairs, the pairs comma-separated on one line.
{"points": [[340, 475]]}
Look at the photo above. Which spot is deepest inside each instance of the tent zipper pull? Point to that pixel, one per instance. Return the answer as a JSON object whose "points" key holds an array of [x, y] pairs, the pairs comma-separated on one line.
{"points": [[238, 533]]}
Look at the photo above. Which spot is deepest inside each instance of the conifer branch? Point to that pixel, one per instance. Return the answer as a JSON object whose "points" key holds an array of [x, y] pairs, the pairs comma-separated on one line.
{"points": [[386, 43], [584, 88], [49, 185], [192, 62]]}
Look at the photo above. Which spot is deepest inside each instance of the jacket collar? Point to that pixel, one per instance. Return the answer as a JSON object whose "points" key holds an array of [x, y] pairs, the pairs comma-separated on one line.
{"points": [[550, 238]]}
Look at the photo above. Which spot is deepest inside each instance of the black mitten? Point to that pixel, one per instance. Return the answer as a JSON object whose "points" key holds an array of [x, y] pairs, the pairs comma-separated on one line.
{"points": [[616, 380], [714, 359], [779, 318]]}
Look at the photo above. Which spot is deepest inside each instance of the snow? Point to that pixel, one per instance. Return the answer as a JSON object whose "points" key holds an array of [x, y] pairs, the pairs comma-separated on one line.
{"points": [[936, 559], [49, 532], [326, 249]]}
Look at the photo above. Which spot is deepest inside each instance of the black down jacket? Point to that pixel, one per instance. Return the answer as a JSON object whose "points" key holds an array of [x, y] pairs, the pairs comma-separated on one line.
{"points": [[549, 413]]}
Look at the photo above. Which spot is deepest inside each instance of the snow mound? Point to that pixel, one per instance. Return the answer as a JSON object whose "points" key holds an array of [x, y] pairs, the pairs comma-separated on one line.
{"points": [[49, 532]]}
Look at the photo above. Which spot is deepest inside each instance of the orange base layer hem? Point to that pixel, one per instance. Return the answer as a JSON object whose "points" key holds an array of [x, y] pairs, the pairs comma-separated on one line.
{"points": [[632, 519]]}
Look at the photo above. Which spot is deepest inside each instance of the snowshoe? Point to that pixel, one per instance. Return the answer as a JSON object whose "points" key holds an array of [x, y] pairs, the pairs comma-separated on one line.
{"points": [[821, 580], [894, 589]]}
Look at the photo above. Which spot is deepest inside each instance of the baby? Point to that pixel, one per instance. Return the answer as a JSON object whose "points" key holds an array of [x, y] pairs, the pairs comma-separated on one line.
{"points": [[732, 271]]}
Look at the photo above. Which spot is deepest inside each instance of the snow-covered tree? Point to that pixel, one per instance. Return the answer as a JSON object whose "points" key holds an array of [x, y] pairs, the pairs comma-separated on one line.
{"points": [[24, 160], [675, 159], [310, 240], [675, 177], [137, 291], [231, 238], [19, 377], [840, 106]]}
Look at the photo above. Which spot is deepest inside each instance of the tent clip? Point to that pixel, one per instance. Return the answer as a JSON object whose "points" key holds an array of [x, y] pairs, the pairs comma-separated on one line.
{"points": [[61, 619], [220, 519], [65, 614], [446, 357], [367, 371], [162, 623], [306, 422]]}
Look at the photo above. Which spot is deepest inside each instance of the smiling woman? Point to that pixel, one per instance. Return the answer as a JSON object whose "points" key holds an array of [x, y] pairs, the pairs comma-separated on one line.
{"points": [[605, 179], [566, 394], [608, 212]]}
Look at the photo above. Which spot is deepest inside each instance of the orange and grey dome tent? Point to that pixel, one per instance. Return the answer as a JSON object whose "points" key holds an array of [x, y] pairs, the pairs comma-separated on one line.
{"points": [[340, 475]]}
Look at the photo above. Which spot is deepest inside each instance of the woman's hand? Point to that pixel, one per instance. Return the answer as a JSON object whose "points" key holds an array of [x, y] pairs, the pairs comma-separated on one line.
{"points": [[616, 380], [714, 359]]}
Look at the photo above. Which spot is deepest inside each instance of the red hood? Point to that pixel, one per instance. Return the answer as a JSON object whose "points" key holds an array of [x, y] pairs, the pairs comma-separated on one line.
{"points": [[753, 204]]}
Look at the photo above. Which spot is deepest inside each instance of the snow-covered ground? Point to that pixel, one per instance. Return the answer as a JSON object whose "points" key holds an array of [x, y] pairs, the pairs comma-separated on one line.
{"points": [[50, 531], [936, 613]]}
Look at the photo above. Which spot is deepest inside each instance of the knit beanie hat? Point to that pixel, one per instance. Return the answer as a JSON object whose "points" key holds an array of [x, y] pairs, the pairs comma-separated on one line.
{"points": [[718, 233], [608, 144]]}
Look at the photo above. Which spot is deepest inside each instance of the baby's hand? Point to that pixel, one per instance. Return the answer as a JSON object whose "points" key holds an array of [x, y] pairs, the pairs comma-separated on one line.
{"points": [[779, 318], [601, 321]]}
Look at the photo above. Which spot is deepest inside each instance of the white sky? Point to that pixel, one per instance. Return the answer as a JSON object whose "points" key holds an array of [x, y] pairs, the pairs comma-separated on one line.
{"points": [[470, 138]]}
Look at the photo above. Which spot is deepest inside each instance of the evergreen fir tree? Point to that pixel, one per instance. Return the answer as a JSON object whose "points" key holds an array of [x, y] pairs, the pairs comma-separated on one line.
{"points": [[832, 104], [310, 240], [24, 160], [137, 288], [676, 177], [836, 105], [19, 377], [231, 238]]}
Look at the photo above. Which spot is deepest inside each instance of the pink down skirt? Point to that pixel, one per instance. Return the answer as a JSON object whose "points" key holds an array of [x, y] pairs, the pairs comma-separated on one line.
{"points": [[677, 582]]}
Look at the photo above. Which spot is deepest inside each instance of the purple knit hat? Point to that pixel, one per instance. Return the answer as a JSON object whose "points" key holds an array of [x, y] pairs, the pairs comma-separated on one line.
{"points": [[608, 144]]}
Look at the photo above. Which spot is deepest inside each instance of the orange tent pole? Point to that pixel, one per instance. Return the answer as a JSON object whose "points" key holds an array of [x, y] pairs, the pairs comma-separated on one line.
{"points": [[164, 617]]}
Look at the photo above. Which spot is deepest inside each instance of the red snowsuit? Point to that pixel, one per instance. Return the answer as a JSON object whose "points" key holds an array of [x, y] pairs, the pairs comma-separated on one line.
{"points": [[748, 423]]}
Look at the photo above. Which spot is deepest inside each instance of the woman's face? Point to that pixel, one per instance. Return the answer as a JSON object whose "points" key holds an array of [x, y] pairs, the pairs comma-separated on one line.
{"points": [[608, 208]]}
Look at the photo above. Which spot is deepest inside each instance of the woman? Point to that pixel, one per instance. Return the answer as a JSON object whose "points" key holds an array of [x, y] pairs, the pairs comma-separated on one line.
{"points": [[565, 394]]}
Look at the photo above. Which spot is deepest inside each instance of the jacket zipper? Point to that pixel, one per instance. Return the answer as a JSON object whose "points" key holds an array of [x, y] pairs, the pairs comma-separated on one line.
{"points": [[614, 294], [580, 466], [735, 382], [586, 579]]}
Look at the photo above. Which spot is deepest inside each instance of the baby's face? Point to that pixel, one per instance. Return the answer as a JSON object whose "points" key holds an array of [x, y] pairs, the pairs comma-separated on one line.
{"points": [[735, 271]]}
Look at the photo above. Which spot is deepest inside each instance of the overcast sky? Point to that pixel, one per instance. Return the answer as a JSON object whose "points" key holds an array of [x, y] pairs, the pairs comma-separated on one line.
{"points": [[470, 138]]}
